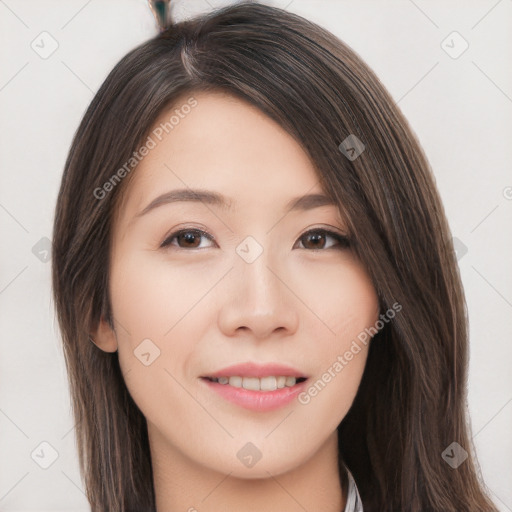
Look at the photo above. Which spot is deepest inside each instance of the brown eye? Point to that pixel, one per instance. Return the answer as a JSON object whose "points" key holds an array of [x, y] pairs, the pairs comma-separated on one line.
{"points": [[317, 239], [186, 239]]}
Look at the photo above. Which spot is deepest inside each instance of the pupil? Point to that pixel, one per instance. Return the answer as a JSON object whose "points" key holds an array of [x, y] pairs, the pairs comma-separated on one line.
{"points": [[189, 238], [316, 238]]}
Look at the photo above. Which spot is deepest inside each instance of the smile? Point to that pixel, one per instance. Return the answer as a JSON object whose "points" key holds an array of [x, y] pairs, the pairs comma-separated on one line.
{"points": [[256, 386]]}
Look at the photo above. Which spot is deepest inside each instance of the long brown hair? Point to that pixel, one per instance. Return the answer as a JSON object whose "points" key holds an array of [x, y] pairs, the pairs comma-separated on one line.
{"points": [[411, 404]]}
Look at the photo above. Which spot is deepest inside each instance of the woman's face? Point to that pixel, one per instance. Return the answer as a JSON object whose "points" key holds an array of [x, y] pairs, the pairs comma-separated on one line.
{"points": [[254, 289]]}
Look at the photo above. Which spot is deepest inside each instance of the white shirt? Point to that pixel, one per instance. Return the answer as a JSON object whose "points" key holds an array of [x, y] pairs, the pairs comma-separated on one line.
{"points": [[354, 503]]}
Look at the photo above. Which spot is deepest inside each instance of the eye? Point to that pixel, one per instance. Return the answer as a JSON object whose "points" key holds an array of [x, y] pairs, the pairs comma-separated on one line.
{"points": [[186, 238], [315, 239]]}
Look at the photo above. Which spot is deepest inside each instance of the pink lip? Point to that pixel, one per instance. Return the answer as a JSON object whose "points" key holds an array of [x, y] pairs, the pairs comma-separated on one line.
{"points": [[257, 400], [257, 370]]}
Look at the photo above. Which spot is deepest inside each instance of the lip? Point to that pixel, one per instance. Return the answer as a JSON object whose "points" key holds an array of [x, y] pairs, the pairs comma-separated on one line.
{"points": [[250, 369], [259, 401]]}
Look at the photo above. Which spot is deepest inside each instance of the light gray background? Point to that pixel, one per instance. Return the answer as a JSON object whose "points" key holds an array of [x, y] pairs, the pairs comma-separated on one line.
{"points": [[460, 109]]}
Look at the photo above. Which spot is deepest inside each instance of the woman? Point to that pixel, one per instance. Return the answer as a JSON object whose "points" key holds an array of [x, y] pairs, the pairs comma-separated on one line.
{"points": [[259, 301]]}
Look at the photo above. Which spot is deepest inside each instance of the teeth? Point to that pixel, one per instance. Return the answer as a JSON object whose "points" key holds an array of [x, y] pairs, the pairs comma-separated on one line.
{"points": [[268, 383], [290, 381], [252, 383], [256, 384], [234, 381]]}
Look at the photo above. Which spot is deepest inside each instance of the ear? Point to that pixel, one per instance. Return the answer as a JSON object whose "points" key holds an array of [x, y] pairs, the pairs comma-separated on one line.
{"points": [[104, 336]]}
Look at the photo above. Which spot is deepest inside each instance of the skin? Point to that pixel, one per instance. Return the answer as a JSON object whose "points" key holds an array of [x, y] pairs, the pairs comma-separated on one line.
{"points": [[205, 308]]}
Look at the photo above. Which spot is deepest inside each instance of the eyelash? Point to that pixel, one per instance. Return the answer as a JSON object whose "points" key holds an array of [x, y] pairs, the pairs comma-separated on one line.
{"points": [[343, 241]]}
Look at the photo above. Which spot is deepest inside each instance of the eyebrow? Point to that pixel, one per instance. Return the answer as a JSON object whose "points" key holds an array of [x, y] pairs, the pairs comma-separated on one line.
{"points": [[302, 203]]}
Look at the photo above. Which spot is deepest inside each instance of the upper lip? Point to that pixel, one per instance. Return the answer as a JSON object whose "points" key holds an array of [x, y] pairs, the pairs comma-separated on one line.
{"points": [[250, 369]]}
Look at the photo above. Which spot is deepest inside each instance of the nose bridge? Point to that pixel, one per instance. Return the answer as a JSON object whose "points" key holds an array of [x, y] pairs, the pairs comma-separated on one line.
{"points": [[260, 300], [261, 286]]}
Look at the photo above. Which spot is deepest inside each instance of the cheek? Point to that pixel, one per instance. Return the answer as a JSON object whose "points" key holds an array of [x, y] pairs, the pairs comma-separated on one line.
{"points": [[159, 316], [341, 298], [153, 296], [345, 305]]}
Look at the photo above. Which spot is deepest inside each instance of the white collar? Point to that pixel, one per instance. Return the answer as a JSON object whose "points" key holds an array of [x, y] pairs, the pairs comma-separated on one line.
{"points": [[354, 503]]}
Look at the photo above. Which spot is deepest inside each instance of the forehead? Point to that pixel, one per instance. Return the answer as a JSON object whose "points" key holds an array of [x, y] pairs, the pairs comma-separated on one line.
{"points": [[225, 145]]}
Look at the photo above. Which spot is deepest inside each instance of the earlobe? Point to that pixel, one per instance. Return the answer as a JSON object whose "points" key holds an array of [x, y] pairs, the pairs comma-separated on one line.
{"points": [[104, 337]]}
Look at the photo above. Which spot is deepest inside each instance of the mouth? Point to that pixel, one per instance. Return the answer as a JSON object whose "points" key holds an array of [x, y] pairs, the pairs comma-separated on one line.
{"points": [[257, 387], [263, 384]]}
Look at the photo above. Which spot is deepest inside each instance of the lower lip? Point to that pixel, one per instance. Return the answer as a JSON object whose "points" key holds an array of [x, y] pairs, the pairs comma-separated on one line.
{"points": [[257, 400]]}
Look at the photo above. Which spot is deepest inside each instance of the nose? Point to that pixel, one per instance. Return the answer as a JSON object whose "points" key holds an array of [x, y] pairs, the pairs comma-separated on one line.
{"points": [[259, 301]]}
